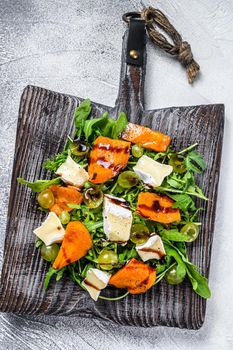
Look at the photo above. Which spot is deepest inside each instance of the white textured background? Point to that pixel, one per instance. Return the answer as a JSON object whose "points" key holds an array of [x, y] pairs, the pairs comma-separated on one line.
{"points": [[74, 46]]}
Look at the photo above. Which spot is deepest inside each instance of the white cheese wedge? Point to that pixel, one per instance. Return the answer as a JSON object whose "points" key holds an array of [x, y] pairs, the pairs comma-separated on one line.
{"points": [[151, 172], [95, 281], [152, 249], [72, 173], [51, 231], [117, 218]]}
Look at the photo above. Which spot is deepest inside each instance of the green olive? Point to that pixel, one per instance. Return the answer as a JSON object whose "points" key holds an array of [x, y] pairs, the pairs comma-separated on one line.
{"points": [[172, 276], [177, 163], [49, 252], [64, 217], [45, 199], [139, 234], [107, 259], [191, 230], [137, 151], [127, 179], [79, 148], [93, 197]]}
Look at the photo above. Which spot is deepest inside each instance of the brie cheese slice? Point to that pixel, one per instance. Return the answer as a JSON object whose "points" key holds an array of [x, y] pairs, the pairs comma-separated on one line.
{"points": [[72, 173], [95, 281], [152, 172], [152, 249], [51, 231], [117, 218]]}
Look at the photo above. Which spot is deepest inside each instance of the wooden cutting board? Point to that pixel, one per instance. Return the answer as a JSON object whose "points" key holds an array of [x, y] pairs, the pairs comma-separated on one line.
{"points": [[45, 121]]}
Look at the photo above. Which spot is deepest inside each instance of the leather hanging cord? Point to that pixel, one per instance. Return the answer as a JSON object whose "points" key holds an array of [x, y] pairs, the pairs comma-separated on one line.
{"points": [[155, 19]]}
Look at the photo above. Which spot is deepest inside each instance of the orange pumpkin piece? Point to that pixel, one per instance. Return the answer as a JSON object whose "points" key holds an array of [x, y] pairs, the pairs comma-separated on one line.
{"points": [[145, 285], [63, 196], [157, 208], [146, 137], [136, 276], [107, 158], [76, 243]]}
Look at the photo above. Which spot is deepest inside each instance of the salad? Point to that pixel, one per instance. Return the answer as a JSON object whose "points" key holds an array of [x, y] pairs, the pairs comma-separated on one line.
{"points": [[120, 210]]}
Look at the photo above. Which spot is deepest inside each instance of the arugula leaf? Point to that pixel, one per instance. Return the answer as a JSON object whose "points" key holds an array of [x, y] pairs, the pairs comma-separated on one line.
{"points": [[50, 273], [74, 206], [187, 149], [39, 185], [191, 192], [104, 126], [119, 125], [127, 254], [74, 275], [39, 243], [86, 268], [175, 181], [199, 282], [81, 113], [181, 268], [195, 162], [54, 163], [183, 201], [92, 225], [181, 184], [59, 274], [160, 275], [196, 191], [97, 125], [180, 248], [174, 235]]}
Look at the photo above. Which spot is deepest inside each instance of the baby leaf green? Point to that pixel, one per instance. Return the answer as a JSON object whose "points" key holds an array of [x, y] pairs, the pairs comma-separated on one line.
{"points": [[119, 125], [39, 185], [195, 162], [81, 113]]}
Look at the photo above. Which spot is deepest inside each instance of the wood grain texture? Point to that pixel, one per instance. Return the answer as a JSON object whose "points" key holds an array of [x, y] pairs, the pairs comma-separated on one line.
{"points": [[45, 120]]}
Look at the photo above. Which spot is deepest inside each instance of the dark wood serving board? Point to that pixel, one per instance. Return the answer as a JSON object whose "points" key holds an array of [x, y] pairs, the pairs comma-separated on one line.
{"points": [[45, 121]]}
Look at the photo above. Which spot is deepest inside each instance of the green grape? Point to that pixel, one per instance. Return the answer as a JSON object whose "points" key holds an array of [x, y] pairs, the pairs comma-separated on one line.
{"points": [[191, 230], [93, 197], [127, 179], [137, 151], [172, 276], [49, 252], [64, 217], [79, 148], [177, 163], [107, 259], [45, 199], [139, 234]]}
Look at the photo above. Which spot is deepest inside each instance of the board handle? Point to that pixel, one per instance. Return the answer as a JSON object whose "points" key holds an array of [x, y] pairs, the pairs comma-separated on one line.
{"points": [[133, 69]]}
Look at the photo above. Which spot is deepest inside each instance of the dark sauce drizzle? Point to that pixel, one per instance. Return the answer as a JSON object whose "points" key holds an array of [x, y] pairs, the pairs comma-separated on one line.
{"points": [[150, 250], [108, 147], [123, 204], [157, 208]]}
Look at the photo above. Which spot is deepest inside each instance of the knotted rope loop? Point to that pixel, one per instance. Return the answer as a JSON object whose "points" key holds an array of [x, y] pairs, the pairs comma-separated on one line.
{"points": [[155, 20]]}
